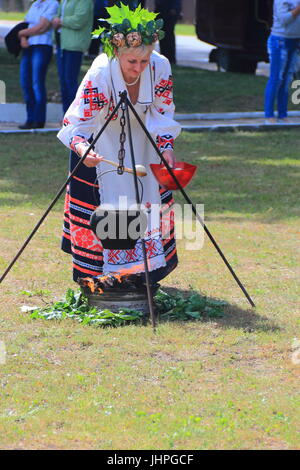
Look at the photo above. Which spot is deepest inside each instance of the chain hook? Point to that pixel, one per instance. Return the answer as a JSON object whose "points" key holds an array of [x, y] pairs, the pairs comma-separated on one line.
{"points": [[121, 154]]}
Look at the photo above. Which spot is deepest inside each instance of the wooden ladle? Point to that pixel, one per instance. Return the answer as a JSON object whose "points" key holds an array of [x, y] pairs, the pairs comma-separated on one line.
{"points": [[140, 169]]}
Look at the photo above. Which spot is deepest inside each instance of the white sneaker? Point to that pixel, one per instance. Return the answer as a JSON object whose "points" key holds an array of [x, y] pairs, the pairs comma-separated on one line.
{"points": [[270, 120]]}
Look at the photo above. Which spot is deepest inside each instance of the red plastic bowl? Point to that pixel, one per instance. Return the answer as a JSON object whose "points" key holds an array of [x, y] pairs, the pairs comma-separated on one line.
{"points": [[183, 172]]}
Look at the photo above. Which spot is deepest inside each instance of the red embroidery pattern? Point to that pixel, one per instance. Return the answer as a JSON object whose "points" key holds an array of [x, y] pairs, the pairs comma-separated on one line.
{"points": [[95, 100], [120, 257], [164, 142], [66, 122], [151, 247], [164, 90], [130, 255], [84, 238], [76, 140], [89, 255], [113, 256]]}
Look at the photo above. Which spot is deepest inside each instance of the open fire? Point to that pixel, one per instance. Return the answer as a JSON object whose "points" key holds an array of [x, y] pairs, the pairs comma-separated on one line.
{"points": [[128, 282], [117, 291], [130, 279]]}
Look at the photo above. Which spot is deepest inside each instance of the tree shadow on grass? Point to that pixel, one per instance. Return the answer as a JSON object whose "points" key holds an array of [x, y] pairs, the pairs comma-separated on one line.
{"points": [[233, 316]]}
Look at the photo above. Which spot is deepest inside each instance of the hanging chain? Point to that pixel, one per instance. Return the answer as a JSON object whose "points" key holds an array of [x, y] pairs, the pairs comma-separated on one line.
{"points": [[121, 154]]}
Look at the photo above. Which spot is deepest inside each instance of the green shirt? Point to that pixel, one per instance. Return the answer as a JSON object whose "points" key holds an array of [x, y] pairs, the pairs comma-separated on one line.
{"points": [[77, 23]]}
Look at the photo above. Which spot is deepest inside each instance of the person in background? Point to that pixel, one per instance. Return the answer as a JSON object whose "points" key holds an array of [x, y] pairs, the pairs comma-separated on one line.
{"points": [[169, 11], [283, 45], [133, 4], [99, 12], [73, 27], [36, 43]]}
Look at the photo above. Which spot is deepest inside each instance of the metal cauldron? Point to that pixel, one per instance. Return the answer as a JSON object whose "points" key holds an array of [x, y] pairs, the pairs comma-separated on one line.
{"points": [[118, 229]]}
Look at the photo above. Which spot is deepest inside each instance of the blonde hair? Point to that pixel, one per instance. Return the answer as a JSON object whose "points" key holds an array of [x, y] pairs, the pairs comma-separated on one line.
{"points": [[141, 50]]}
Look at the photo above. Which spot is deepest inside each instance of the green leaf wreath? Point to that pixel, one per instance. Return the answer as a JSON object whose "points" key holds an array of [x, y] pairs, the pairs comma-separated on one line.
{"points": [[129, 28]]}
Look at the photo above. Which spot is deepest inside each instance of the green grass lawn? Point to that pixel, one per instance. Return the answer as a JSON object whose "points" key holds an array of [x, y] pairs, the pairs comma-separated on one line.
{"points": [[225, 383], [185, 29], [12, 15], [195, 90]]}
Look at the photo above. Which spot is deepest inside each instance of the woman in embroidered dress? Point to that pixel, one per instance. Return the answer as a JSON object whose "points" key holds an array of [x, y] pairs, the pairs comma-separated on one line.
{"points": [[130, 64]]}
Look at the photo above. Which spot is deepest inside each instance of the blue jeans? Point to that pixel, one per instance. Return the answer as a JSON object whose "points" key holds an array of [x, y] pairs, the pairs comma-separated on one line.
{"points": [[33, 69], [283, 55], [68, 66]]}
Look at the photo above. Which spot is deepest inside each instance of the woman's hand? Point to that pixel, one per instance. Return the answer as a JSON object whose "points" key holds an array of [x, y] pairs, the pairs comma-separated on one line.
{"points": [[169, 155], [56, 23], [24, 42], [22, 33], [92, 159]]}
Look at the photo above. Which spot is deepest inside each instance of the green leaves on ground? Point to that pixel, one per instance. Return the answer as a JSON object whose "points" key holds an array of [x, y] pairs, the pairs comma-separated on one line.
{"points": [[75, 305], [169, 307], [194, 307]]}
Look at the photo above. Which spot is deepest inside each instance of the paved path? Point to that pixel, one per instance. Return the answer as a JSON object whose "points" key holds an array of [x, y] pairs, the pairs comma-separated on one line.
{"points": [[195, 123]]}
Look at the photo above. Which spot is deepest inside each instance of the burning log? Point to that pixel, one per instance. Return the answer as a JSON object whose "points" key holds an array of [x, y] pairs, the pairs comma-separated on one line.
{"points": [[128, 282], [118, 291]]}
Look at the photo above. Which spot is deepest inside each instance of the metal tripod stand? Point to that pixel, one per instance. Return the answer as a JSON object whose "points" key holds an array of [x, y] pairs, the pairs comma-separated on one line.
{"points": [[126, 105]]}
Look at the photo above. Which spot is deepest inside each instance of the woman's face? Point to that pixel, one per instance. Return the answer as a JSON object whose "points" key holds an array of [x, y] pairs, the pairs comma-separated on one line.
{"points": [[133, 64]]}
